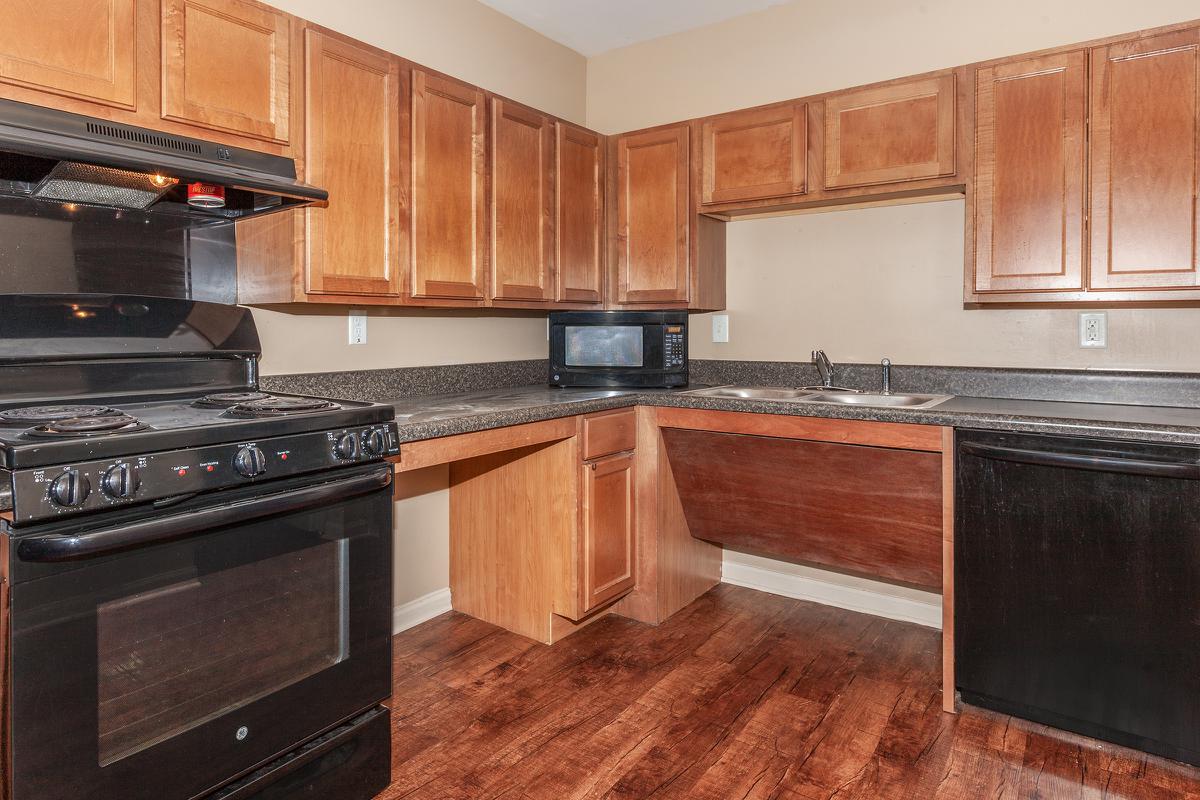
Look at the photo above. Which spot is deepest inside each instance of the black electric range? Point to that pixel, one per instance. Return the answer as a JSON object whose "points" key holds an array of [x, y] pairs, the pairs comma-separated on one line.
{"points": [[213, 562]]}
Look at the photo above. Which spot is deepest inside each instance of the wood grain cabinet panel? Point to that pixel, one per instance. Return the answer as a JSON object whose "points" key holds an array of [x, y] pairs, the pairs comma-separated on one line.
{"points": [[755, 154], [1030, 143], [901, 131], [870, 510], [652, 216], [448, 203], [352, 150], [522, 197], [76, 48], [609, 543], [579, 214], [1144, 163], [226, 65]]}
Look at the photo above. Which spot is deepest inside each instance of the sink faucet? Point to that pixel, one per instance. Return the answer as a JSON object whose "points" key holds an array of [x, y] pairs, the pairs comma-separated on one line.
{"points": [[824, 367], [886, 364]]}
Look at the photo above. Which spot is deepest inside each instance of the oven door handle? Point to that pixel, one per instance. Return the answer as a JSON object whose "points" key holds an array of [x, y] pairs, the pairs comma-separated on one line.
{"points": [[54, 548]]}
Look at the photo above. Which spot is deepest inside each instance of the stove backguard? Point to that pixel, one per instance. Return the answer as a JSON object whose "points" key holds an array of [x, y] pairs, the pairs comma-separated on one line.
{"points": [[67, 248], [64, 346]]}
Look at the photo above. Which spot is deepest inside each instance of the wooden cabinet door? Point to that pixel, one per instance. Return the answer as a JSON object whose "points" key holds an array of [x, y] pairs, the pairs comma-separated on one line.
{"points": [[883, 134], [579, 215], [447, 213], [1030, 174], [755, 154], [652, 216], [75, 48], [1144, 163], [522, 236], [352, 150], [226, 65], [609, 560]]}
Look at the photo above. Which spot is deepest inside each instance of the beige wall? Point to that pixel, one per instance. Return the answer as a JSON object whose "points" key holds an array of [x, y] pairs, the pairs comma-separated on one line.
{"points": [[470, 41], [819, 45], [868, 283], [314, 340]]}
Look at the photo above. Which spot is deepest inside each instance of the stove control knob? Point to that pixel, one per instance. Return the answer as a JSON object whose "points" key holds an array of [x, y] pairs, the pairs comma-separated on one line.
{"points": [[346, 446], [70, 489], [250, 462], [374, 443], [121, 482]]}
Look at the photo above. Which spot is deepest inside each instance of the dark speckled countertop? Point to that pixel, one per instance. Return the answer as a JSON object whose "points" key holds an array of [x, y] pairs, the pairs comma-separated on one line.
{"points": [[427, 417], [1150, 406]]}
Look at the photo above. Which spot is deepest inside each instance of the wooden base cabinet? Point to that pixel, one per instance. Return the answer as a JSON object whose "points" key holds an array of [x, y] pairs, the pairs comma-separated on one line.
{"points": [[543, 537]]}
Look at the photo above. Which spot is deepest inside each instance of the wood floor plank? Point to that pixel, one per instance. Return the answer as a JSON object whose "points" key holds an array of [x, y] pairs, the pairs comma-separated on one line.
{"points": [[740, 696]]}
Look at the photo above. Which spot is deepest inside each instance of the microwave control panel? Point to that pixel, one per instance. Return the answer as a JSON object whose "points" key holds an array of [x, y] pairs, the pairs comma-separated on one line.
{"points": [[674, 350]]}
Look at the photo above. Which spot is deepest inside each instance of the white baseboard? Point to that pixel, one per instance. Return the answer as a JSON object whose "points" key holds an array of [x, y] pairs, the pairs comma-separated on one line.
{"points": [[925, 608], [422, 609]]}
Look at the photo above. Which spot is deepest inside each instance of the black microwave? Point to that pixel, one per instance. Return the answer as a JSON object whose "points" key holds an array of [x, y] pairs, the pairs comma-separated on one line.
{"points": [[638, 349]]}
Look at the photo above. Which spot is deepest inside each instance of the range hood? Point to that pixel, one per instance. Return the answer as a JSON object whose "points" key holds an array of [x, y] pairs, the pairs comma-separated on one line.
{"points": [[69, 159]]}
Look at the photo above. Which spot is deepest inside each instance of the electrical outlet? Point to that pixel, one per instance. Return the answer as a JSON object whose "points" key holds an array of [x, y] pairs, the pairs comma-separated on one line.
{"points": [[358, 328], [1093, 329], [720, 323]]}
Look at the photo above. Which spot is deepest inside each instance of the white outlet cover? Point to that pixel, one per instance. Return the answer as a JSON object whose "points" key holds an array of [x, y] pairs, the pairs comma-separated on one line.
{"points": [[720, 328], [1093, 329], [358, 328]]}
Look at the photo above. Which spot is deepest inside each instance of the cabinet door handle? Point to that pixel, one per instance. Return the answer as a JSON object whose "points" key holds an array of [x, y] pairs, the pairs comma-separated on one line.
{"points": [[593, 466]]}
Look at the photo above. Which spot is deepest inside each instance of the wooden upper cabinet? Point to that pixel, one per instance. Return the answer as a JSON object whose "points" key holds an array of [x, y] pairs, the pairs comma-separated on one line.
{"points": [[579, 215], [352, 150], [522, 199], [1029, 174], [609, 540], [755, 154], [226, 65], [652, 216], [1144, 173], [901, 131], [84, 49], [447, 203]]}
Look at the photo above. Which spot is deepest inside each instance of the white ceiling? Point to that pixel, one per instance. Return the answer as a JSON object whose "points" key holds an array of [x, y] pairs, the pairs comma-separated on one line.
{"points": [[591, 27]]}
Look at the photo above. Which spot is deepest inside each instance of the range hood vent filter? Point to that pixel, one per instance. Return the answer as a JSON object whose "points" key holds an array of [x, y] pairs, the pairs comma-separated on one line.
{"points": [[72, 182]]}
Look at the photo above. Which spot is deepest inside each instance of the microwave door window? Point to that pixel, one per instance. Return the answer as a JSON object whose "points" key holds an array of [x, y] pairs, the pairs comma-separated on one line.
{"points": [[604, 345]]}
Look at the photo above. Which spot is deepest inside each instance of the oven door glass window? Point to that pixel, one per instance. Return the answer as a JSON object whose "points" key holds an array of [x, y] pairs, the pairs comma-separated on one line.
{"points": [[604, 345], [189, 650]]}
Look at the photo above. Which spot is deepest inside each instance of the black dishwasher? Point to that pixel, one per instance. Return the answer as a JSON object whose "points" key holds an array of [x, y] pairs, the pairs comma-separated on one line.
{"points": [[1077, 585]]}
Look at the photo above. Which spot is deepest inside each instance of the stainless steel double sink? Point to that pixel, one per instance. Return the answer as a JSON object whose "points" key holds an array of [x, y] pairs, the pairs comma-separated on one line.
{"points": [[816, 394]]}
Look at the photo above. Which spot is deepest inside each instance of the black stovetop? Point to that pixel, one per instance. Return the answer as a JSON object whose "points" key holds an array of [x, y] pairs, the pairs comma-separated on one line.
{"points": [[143, 425]]}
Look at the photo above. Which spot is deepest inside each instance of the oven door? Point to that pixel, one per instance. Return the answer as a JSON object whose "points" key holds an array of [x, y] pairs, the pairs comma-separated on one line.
{"points": [[169, 652]]}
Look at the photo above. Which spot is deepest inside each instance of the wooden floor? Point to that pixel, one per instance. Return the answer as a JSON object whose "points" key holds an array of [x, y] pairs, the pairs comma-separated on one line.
{"points": [[740, 695]]}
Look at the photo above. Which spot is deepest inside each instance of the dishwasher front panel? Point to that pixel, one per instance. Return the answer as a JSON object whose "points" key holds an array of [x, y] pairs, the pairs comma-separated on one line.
{"points": [[1077, 585]]}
